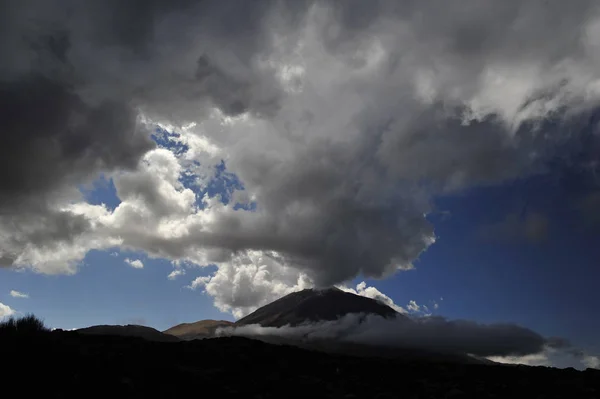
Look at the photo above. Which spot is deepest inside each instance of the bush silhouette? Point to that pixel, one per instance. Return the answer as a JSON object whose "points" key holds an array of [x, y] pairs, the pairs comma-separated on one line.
{"points": [[28, 324]]}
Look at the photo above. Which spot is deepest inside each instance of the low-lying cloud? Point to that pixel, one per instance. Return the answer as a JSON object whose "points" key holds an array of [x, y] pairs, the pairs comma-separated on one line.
{"points": [[503, 342], [427, 332]]}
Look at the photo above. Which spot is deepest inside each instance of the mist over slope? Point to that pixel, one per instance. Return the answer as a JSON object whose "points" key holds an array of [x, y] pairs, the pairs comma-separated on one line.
{"points": [[335, 321]]}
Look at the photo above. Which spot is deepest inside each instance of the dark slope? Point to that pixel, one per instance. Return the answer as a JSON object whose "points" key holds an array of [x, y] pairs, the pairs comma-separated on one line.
{"points": [[68, 364], [197, 330], [130, 330], [404, 354], [313, 306]]}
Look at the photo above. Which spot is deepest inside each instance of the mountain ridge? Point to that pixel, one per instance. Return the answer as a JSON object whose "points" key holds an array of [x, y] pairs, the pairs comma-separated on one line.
{"points": [[197, 330], [129, 330]]}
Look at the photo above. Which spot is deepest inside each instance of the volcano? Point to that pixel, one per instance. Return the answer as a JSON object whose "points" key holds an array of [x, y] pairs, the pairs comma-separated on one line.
{"points": [[313, 305]]}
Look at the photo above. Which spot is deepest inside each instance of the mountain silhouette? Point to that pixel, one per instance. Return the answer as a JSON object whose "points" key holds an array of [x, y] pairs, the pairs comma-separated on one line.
{"points": [[130, 330], [313, 305]]}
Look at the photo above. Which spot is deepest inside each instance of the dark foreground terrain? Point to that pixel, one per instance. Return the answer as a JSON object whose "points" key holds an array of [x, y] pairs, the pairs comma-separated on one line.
{"points": [[68, 364]]}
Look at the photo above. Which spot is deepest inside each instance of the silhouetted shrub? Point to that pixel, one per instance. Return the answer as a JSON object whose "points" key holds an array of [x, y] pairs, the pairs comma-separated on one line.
{"points": [[28, 324]]}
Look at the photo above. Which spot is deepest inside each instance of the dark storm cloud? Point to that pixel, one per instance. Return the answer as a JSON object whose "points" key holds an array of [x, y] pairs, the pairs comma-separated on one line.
{"points": [[50, 138], [357, 116], [362, 212], [59, 125], [40, 228], [230, 95], [71, 97]]}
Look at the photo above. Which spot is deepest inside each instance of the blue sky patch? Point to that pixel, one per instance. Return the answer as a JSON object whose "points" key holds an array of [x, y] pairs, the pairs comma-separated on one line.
{"points": [[101, 191]]}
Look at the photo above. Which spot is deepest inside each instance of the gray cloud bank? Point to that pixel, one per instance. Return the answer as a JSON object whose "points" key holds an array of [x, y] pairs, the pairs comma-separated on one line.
{"points": [[343, 120], [500, 341], [435, 333]]}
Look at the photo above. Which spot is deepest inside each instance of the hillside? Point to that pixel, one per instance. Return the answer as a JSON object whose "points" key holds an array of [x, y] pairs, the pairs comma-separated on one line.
{"points": [[129, 330], [70, 364], [197, 330]]}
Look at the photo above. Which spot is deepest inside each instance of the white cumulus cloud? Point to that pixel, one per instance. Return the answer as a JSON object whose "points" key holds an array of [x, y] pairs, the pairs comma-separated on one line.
{"points": [[413, 307], [363, 289], [135, 263], [5, 311], [250, 280], [591, 361], [17, 294], [176, 273]]}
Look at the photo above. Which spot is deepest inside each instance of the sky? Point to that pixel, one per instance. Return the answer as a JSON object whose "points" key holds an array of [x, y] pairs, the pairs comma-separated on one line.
{"points": [[166, 162]]}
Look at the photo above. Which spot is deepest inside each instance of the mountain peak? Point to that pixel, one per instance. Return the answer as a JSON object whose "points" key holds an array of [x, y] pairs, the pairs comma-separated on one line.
{"points": [[314, 305]]}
